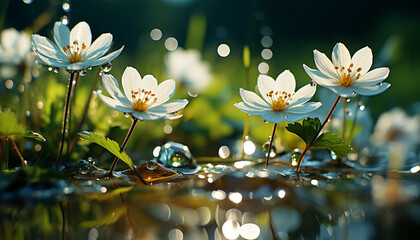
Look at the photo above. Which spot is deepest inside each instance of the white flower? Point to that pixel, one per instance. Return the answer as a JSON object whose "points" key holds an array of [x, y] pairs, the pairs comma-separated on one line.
{"points": [[74, 49], [279, 100], [348, 76], [143, 98], [396, 126], [14, 46], [186, 66]]}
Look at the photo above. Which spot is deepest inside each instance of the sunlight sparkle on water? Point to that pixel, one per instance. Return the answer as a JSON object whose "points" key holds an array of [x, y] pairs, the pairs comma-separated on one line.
{"points": [[241, 164], [415, 169], [224, 152], [282, 193], [249, 147], [218, 194], [231, 229], [235, 197], [223, 50], [249, 231]]}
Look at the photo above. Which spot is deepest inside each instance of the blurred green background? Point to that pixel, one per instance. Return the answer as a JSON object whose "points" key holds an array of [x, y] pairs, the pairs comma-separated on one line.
{"points": [[390, 28]]}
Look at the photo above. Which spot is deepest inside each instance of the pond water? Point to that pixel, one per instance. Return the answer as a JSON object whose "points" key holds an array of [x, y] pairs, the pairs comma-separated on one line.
{"points": [[213, 199]]}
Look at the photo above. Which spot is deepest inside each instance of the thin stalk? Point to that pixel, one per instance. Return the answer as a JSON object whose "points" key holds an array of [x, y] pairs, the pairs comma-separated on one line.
{"points": [[63, 227], [128, 215], [3, 140], [18, 152], [343, 134], [272, 230], [114, 163], [271, 143], [73, 76], [316, 135], [245, 133], [84, 114], [353, 123], [69, 120]]}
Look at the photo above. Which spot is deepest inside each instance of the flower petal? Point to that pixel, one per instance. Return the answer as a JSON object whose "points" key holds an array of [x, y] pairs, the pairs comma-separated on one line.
{"points": [[320, 78], [150, 117], [341, 56], [286, 82], [114, 103], [250, 109], [170, 107], [373, 77], [164, 90], [303, 95], [61, 35], [47, 61], [304, 108], [252, 99], [82, 34], [273, 117], [343, 91], [265, 84], [372, 89], [47, 48], [363, 59], [324, 65], [95, 62], [292, 117], [131, 81], [99, 47], [113, 88]]}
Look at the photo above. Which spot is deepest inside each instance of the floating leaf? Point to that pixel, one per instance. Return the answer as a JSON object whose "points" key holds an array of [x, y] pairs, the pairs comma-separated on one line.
{"points": [[332, 142], [37, 136], [108, 144], [307, 130]]}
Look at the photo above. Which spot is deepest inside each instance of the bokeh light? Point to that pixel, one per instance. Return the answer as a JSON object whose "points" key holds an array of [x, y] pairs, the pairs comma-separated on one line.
{"points": [[171, 44], [156, 34], [223, 50]]}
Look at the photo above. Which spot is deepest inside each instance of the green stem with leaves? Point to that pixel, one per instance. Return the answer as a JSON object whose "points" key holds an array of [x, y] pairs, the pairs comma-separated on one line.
{"points": [[270, 145], [316, 135], [114, 163], [73, 77]]}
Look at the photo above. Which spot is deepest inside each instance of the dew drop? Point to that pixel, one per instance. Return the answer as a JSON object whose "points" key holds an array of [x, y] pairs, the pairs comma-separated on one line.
{"points": [[28, 113], [50, 69], [285, 117], [126, 115], [380, 84], [294, 157], [313, 84], [83, 72], [64, 20], [66, 6], [85, 166], [175, 155], [152, 165], [56, 70], [106, 67], [347, 99], [192, 93], [89, 68], [273, 149], [354, 93], [362, 107], [348, 112]]}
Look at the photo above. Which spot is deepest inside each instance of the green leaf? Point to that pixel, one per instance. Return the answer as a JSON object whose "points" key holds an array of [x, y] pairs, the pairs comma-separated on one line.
{"points": [[108, 144], [307, 130], [332, 142], [105, 220], [9, 124], [37, 136]]}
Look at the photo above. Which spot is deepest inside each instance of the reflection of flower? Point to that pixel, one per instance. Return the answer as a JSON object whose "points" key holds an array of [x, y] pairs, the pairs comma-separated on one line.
{"points": [[14, 47], [186, 66], [279, 102], [348, 76], [396, 126], [143, 98], [73, 49]]}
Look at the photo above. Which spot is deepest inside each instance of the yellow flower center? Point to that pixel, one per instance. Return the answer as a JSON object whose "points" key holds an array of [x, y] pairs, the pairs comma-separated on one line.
{"points": [[278, 100], [144, 101], [75, 52], [348, 76]]}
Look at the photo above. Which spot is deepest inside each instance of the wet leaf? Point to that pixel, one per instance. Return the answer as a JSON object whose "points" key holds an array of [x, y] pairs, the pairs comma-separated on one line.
{"points": [[109, 144], [332, 142], [306, 130], [9, 124], [34, 135]]}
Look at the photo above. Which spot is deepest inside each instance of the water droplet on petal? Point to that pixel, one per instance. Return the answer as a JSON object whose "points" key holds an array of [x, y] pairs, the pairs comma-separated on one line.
{"points": [[50, 69], [347, 99], [152, 165], [313, 84], [354, 93], [56, 70], [127, 115], [272, 151], [89, 68], [83, 72], [380, 84], [85, 166], [106, 67], [362, 107]]}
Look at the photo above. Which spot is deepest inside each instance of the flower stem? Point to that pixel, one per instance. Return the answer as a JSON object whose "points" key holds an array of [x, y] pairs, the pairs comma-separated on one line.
{"points": [[114, 163], [316, 135], [269, 146], [17, 151], [343, 134], [353, 123], [3, 140], [73, 76], [84, 114], [245, 133]]}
